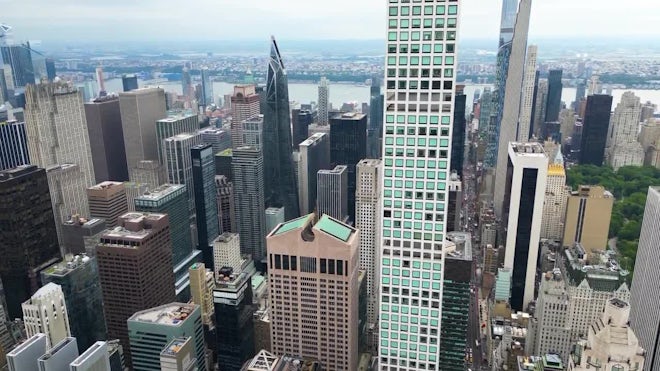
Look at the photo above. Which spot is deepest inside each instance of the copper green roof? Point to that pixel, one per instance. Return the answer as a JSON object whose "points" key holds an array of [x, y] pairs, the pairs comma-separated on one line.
{"points": [[335, 228], [292, 224]]}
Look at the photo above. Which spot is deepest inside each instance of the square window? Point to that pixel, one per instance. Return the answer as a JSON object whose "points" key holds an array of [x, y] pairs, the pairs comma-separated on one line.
{"points": [[428, 10], [391, 61], [391, 36], [428, 23], [405, 10], [414, 36], [405, 23], [416, 23], [453, 9], [402, 72], [449, 61], [440, 23], [403, 36], [417, 10], [440, 10], [426, 48], [414, 61], [391, 48], [439, 35], [403, 48], [437, 48], [426, 61], [394, 10], [391, 72], [392, 23]]}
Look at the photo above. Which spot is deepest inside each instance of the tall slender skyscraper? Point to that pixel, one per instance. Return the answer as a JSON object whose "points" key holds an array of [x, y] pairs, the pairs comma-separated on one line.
{"points": [[207, 87], [645, 292], [187, 87], [553, 104], [178, 162], [177, 122], [375, 130], [527, 99], [458, 132], [19, 59], [623, 149], [595, 128], [244, 105], [206, 208], [556, 197], [324, 101], [314, 156], [300, 121], [408, 245], [106, 139], [281, 189], [332, 194], [248, 169], [508, 125]]}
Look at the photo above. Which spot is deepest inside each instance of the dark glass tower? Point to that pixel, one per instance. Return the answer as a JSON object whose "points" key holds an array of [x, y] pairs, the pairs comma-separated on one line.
{"points": [[281, 188], [594, 129], [13, 145], [129, 82], [206, 208], [106, 137], [50, 70], [375, 130], [348, 146], [553, 101], [300, 121], [458, 133], [20, 60]]}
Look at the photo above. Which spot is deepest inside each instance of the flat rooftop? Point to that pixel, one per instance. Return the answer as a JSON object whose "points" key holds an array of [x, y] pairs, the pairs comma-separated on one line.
{"points": [[105, 185], [338, 169], [133, 219], [161, 191], [528, 149], [177, 116], [174, 347], [182, 136], [312, 139], [173, 314], [463, 246], [350, 116]]}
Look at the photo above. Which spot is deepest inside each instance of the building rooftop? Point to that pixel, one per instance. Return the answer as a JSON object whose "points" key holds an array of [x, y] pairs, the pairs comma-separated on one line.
{"points": [[68, 265], [141, 91], [335, 228], [369, 162], [226, 152], [527, 149], [161, 191], [462, 242], [77, 220], [350, 116], [312, 139], [173, 347], [292, 224], [338, 169], [106, 185], [138, 228], [174, 116], [182, 136], [173, 314], [16, 172]]}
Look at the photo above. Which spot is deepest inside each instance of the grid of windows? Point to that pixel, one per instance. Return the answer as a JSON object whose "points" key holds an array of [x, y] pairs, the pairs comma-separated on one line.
{"points": [[419, 103]]}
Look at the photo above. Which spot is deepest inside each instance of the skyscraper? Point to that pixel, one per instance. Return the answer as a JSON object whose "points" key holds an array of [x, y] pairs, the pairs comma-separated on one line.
{"points": [[327, 250], [207, 87], [588, 214], [644, 293], [281, 189], [178, 162], [106, 139], [45, 313], [224, 193], [324, 101], [134, 262], [458, 132], [553, 104], [402, 238], [524, 193], [508, 125], [13, 145], [171, 199], [248, 169], [19, 59], [177, 122], [220, 139], [623, 149], [594, 129], [77, 231], [367, 217], [540, 99], [527, 99], [107, 200], [331, 193], [454, 203], [202, 282], [348, 145], [29, 242], [375, 130], [129, 82], [252, 132], [206, 208], [140, 109], [300, 121], [57, 136], [187, 88], [314, 156], [244, 105], [25, 355], [149, 172], [92, 358], [554, 206]]}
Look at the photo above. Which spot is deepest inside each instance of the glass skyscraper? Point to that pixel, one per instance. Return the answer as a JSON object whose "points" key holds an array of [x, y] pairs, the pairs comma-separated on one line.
{"points": [[281, 188], [419, 106], [203, 168]]}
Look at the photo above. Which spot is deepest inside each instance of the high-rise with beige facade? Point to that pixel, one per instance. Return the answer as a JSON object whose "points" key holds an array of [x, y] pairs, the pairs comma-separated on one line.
{"points": [[244, 105], [554, 206], [107, 200], [313, 271], [588, 214]]}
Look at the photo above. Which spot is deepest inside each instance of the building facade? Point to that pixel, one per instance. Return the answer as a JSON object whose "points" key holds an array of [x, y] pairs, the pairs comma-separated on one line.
{"points": [[244, 105], [595, 128], [13, 145], [554, 206], [324, 101], [527, 99], [206, 207], [106, 139], [107, 200], [45, 313], [178, 162], [176, 122], [588, 214], [249, 202], [332, 192], [623, 149], [314, 156]]}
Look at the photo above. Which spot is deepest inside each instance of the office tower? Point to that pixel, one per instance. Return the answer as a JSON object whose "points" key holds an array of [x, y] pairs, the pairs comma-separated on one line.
{"points": [[25, 355], [454, 203], [244, 105], [134, 261], [348, 143], [644, 319], [556, 199], [314, 156], [458, 132], [553, 102], [129, 82], [13, 145], [149, 172], [207, 87], [329, 251], [588, 214], [571, 297], [187, 89], [456, 298], [274, 216], [540, 99], [140, 109], [227, 252], [171, 199], [29, 244], [324, 101], [177, 122], [300, 121], [219, 139], [433, 148], [224, 195], [78, 278], [623, 149], [595, 129], [202, 282], [648, 110], [19, 59], [65, 186], [150, 330], [248, 169], [252, 131], [107, 200], [332, 197], [178, 355], [367, 216], [76, 230], [232, 300], [223, 164], [375, 130], [511, 106], [611, 343], [100, 82], [206, 207], [57, 135], [485, 105], [95, 357], [106, 138], [527, 99], [45, 313], [60, 356], [134, 190], [594, 87], [281, 189], [50, 69], [178, 162], [524, 193]]}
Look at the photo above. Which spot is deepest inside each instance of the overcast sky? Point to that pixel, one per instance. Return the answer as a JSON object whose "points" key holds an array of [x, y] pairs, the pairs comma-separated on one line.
{"points": [[162, 20]]}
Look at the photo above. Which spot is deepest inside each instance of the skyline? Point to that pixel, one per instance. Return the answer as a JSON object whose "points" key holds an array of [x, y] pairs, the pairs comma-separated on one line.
{"points": [[341, 19]]}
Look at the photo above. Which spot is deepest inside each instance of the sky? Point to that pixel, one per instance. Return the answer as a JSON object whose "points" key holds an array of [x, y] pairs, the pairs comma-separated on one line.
{"points": [[163, 20]]}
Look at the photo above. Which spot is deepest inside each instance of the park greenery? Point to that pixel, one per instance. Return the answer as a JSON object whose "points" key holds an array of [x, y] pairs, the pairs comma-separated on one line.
{"points": [[629, 185]]}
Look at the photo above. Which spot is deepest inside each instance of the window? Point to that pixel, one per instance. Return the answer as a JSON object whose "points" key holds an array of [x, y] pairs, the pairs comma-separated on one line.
{"points": [[394, 10], [278, 261], [392, 23]]}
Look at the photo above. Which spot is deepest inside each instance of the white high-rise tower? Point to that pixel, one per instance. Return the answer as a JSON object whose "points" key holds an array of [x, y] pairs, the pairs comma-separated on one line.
{"points": [[419, 106], [324, 103], [623, 149]]}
